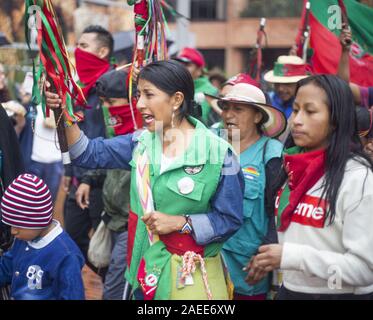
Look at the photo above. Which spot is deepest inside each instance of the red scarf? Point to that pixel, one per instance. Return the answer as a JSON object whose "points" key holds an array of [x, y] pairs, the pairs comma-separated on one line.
{"points": [[303, 170], [89, 68], [119, 121]]}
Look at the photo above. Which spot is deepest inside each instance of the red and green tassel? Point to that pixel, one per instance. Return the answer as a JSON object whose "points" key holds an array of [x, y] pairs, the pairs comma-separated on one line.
{"points": [[151, 45], [53, 62]]}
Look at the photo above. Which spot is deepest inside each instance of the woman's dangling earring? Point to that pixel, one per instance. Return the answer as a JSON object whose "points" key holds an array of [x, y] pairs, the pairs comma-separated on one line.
{"points": [[172, 118]]}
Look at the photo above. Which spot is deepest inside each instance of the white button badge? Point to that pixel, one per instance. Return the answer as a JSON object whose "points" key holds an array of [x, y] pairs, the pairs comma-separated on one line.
{"points": [[185, 185]]}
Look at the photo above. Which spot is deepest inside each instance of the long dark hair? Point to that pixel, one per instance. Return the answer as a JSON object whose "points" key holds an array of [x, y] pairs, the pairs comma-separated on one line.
{"points": [[171, 76], [344, 142]]}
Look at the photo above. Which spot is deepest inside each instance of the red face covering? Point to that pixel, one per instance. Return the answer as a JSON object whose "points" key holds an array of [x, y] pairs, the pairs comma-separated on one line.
{"points": [[119, 120], [89, 68]]}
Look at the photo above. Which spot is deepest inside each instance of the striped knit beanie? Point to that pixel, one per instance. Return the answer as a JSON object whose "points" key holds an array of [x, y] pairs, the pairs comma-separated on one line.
{"points": [[27, 203]]}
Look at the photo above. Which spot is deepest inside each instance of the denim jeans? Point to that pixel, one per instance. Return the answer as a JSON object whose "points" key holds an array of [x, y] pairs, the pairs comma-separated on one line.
{"points": [[51, 173], [114, 279]]}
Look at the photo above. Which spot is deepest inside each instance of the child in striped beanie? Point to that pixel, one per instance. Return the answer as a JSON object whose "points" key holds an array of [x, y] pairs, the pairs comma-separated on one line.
{"points": [[43, 263]]}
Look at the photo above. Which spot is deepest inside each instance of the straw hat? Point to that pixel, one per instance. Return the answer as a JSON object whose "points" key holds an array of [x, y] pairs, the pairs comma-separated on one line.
{"points": [[274, 120], [287, 69]]}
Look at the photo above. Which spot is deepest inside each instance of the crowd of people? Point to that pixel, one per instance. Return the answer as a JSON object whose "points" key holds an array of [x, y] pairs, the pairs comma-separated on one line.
{"points": [[207, 187]]}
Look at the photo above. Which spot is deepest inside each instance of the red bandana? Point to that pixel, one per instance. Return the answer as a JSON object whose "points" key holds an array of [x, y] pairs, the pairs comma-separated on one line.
{"points": [[304, 170], [119, 121], [89, 68]]}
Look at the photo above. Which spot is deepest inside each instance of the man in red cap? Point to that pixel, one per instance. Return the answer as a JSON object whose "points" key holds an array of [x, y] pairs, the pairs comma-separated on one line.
{"points": [[195, 63]]}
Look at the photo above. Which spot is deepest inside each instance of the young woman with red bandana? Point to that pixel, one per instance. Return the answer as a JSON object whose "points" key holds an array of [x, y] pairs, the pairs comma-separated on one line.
{"points": [[323, 205]]}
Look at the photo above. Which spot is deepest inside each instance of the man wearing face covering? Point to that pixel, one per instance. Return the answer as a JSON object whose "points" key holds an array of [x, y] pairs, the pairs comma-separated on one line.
{"points": [[92, 55], [112, 88]]}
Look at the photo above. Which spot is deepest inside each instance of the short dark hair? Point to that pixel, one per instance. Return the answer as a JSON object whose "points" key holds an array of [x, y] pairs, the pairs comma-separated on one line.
{"points": [[103, 36]]}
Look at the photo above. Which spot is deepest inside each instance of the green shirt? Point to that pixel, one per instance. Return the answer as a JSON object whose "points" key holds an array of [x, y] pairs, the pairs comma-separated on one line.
{"points": [[203, 85]]}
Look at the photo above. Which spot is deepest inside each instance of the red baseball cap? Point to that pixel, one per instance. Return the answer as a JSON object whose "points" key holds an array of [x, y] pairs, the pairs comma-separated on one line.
{"points": [[242, 78], [191, 55]]}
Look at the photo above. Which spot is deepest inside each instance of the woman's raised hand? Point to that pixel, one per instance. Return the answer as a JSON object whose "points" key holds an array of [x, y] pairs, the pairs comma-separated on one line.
{"points": [[345, 37]]}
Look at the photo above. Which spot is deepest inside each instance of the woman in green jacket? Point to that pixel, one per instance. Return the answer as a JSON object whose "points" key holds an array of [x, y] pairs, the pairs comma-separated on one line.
{"points": [[186, 189]]}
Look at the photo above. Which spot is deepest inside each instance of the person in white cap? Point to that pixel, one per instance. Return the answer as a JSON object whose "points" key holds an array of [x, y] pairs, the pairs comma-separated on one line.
{"points": [[43, 263], [250, 125], [287, 71]]}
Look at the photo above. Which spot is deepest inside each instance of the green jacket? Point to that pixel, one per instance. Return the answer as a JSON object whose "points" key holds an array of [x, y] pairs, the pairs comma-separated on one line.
{"points": [[116, 198], [169, 199], [203, 85]]}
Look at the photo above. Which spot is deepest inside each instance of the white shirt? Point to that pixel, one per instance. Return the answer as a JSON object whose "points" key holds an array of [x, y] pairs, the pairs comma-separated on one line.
{"points": [[45, 147], [166, 162], [336, 258]]}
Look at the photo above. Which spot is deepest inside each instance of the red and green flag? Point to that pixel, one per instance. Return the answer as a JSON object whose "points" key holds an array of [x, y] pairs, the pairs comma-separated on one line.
{"points": [[324, 21]]}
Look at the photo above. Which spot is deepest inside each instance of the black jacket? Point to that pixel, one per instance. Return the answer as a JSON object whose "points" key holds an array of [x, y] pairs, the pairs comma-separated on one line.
{"points": [[11, 163]]}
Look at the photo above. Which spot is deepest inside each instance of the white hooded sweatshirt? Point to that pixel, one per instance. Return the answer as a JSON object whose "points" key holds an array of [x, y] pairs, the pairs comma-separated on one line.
{"points": [[336, 258]]}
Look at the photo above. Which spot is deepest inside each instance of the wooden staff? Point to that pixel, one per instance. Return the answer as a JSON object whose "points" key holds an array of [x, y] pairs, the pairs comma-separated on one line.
{"points": [[344, 19], [60, 127]]}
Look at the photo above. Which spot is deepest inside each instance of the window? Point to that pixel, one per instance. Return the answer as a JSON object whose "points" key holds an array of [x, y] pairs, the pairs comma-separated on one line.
{"points": [[208, 10], [273, 8], [215, 58]]}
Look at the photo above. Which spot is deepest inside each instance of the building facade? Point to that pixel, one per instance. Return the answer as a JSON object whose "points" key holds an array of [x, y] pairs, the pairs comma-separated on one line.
{"points": [[224, 30]]}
